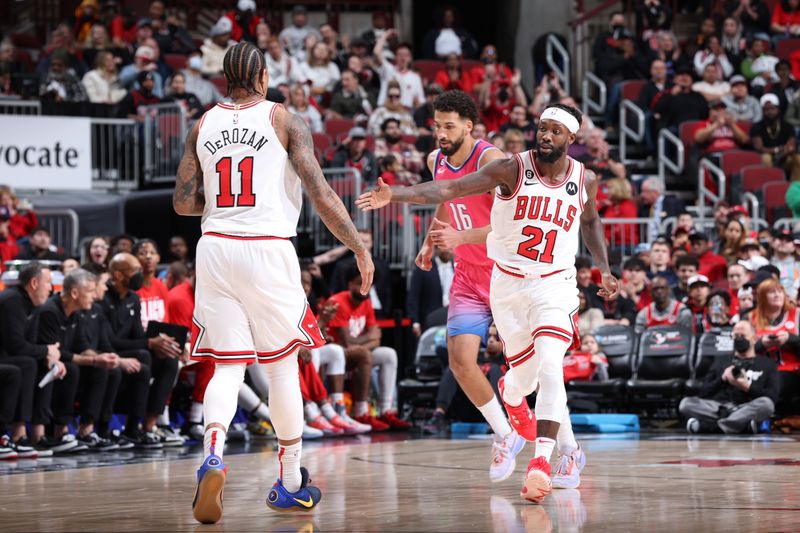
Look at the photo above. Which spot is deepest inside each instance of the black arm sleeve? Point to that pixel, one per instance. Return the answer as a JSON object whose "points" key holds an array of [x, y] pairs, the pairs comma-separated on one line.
{"points": [[412, 302], [12, 331], [50, 333]]}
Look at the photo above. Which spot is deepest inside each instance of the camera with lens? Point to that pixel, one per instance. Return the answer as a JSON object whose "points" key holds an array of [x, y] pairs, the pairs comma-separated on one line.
{"points": [[740, 366]]}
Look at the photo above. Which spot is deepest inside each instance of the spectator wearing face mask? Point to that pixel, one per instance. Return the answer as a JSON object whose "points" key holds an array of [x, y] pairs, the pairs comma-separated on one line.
{"points": [[196, 84]]}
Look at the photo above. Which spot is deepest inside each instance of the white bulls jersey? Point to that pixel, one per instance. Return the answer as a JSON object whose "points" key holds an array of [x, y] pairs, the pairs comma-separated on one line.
{"points": [[250, 185], [535, 229]]}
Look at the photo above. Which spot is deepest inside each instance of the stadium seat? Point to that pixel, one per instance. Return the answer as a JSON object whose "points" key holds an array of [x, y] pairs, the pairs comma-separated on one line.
{"points": [[619, 345], [427, 69], [321, 141], [422, 382], [26, 40], [712, 344], [471, 64], [686, 134], [631, 89], [220, 83], [176, 61], [754, 177], [336, 126], [785, 47], [664, 363], [774, 196], [732, 162]]}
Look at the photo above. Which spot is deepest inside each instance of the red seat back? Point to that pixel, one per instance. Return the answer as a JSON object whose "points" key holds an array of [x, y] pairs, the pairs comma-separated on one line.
{"points": [[754, 177], [221, 84], [176, 61], [686, 134], [774, 195], [321, 141], [785, 47], [733, 161], [428, 68], [336, 126], [632, 89]]}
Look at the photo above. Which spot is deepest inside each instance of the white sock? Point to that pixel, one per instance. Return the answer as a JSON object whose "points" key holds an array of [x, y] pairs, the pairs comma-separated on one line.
{"points": [[386, 360], [544, 447], [196, 413], [496, 418], [289, 460], [337, 397], [360, 408], [214, 442], [262, 411], [163, 418], [566, 438], [311, 411], [327, 410]]}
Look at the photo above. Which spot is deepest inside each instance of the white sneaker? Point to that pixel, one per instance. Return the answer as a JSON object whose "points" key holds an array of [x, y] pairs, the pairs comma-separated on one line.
{"points": [[311, 433], [568, 471], [504, 451], [169, 437]]}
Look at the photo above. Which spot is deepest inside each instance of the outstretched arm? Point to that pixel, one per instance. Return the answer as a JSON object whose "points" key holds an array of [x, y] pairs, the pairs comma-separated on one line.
{"points": [[328, 205], [500, 173], [187, 198], [592, 233]]}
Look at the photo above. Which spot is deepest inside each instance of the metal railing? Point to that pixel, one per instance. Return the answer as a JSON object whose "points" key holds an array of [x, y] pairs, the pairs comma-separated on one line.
{"points": [[589, 104], [554, 48], [20, 107], [751, 203], [790, 224], [347, 183], [667, 138], [116, 153], [704, 194], [164, 138], [628, 133], [63, 225]]}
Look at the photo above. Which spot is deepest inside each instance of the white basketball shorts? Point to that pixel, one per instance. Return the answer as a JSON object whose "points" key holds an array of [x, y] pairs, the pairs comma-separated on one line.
{"points": [[249, 304]]}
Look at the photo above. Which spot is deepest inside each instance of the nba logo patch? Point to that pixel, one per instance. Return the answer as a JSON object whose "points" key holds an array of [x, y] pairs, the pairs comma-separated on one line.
{"points": [[572, 189], [236, 118]]}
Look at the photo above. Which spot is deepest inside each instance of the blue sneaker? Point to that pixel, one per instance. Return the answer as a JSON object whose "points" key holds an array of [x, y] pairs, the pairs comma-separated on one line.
{"points": [[281, 500], [207, 504]]}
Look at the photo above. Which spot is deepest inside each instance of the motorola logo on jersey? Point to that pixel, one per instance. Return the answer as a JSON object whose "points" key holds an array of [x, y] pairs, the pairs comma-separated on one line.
{"points": [[572, 188], [541, 208]]}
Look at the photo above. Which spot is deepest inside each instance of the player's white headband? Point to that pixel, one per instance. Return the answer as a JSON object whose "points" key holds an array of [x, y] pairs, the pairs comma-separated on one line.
{"points": [[559, 115]]}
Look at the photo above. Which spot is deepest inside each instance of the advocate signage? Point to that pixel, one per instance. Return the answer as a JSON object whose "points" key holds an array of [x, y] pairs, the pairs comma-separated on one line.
{"points": [[45, 152]]}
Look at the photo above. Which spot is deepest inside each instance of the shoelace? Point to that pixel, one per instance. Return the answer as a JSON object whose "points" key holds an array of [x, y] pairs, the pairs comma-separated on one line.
{"points": [[563, 465], [499, 452]]}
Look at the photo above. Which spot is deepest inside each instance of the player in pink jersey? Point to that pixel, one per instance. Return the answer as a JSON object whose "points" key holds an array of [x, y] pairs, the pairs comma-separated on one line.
{"points": [[462, 224], [544, 202]]}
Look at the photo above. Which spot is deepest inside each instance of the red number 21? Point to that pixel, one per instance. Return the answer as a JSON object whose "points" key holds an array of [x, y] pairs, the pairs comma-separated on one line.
{"points": [[225, 198], [528, 248]]}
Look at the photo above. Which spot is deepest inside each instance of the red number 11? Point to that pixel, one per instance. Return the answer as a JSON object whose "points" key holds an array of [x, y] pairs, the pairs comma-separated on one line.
{"points": [[225, 198]]}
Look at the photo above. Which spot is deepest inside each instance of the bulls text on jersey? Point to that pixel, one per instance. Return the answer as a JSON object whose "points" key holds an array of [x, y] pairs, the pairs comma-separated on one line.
{"points": [[540, 208]]}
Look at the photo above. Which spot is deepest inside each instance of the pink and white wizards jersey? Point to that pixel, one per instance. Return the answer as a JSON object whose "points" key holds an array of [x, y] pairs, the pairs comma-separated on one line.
{"points": [[471, 211], [250, 185], [535, 229]]}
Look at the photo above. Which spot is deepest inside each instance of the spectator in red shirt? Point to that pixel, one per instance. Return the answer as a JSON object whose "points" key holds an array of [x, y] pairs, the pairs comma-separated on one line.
{"points": [[699, 289], [634, 283], [153, 293], [719, 132], [23, 219], [355, 325], [712, 266], [498, 96], [786, 18], [244, 21], [8, 245], [620, 204], [454, 76]]}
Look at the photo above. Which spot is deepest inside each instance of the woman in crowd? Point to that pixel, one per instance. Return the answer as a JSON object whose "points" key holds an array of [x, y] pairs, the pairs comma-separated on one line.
{"points": [[102, 83], [177, 93], [319, 71], [96, 251], [298, 104], [731, 240], [620, 204]]}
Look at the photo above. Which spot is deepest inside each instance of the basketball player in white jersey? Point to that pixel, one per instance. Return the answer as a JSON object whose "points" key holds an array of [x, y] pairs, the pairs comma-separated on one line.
{"points": [[251, 157], [543, 197]]}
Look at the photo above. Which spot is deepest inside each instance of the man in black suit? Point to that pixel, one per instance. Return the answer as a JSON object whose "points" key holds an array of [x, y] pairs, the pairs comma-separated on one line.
{"points": [[430, 289], [656, 205]]}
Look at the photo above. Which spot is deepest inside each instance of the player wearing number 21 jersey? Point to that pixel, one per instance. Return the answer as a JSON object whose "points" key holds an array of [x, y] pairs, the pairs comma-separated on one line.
{"points": [[543, 199], [252, 157]]}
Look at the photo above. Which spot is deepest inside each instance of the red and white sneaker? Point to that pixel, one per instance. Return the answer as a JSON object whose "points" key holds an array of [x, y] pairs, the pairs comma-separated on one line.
{"points": [[390, 418], [520, 417], [349, 426], [374, 423], [537, 480], [322, 424]]}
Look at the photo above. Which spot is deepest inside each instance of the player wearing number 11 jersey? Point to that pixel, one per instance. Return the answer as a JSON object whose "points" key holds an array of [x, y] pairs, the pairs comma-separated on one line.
{"points": [[251, 158], [543, 198]]}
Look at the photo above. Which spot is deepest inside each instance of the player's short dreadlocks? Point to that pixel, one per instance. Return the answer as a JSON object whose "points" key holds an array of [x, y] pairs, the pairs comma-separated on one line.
{"points": [[243, 65]]}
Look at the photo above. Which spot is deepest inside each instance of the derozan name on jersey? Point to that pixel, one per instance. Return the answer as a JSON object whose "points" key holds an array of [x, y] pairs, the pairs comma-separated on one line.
{"points": [[236, 136]]}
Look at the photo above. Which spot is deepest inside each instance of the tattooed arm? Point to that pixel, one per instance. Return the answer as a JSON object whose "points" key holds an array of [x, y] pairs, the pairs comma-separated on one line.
{"points": [[328, 205], [594, 238], [187, 198]]}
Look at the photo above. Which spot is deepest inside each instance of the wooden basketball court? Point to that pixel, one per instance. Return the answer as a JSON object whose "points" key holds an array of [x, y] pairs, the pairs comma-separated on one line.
{"points": [[631, 483]]}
